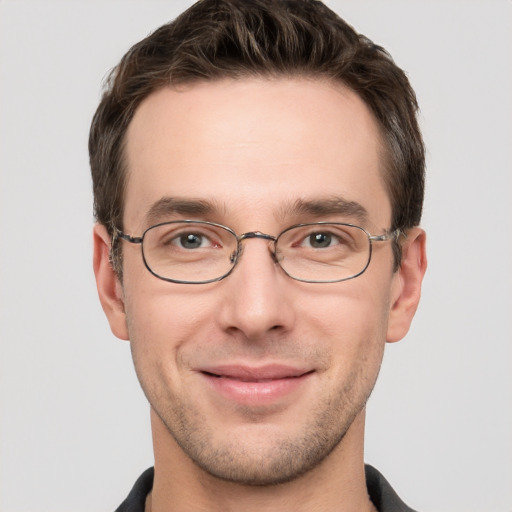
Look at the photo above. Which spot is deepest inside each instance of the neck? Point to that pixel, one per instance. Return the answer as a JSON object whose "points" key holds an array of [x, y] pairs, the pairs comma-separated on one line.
{"points": [[337, 484]]}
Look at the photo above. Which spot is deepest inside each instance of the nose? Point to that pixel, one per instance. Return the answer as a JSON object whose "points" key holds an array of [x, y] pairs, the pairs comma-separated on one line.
{"points": [[257, 299]]}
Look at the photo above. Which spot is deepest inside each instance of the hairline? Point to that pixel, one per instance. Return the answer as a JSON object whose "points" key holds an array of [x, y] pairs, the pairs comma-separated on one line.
{"points": [[384, 145]]}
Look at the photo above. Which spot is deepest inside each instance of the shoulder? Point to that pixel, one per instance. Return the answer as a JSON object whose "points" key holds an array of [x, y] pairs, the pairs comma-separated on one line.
{"points": [[136, 500], [382, 494]]}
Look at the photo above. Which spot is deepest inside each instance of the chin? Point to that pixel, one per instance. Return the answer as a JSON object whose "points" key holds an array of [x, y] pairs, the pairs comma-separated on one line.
{"points": [[260, 454]]}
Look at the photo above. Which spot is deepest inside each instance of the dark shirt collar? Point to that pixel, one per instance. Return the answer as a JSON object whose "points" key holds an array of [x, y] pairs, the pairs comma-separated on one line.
{"points": [[381, 493]]}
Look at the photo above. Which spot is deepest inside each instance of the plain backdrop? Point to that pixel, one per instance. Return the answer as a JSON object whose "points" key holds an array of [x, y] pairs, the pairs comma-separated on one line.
{"points": [[74, 425]]}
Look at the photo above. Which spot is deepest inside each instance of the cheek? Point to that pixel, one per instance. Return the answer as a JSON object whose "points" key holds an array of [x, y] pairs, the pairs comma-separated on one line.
{"points": [[161, 326], [347, 308], [158, 312], [353, 322], [164, 320]]}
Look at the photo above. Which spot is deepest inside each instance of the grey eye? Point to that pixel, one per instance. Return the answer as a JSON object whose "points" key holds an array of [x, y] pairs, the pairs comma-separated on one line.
{"points": [[320, 240], [190, 241]]}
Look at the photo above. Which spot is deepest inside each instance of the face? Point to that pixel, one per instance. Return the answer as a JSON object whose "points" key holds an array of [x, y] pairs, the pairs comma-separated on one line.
{"points": [[256, 378]]}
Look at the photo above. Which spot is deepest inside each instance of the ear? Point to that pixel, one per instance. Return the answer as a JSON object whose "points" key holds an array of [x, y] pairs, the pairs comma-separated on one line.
{"points": [[406, 289], [109, 287]]}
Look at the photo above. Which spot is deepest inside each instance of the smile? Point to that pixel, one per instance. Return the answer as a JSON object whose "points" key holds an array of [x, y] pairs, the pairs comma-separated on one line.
{"points": [[255, 386], [248, 379]]}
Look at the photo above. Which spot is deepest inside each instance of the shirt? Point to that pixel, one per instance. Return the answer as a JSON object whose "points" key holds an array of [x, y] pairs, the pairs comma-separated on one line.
{"points": [[380, 491]]}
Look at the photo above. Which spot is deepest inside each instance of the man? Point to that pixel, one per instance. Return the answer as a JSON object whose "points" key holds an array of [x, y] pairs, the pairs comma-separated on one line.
{"points": [[258, 179]]}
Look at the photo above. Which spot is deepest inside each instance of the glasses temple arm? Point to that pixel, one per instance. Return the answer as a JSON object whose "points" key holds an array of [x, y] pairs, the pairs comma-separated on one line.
{"points": [[119, 234]]}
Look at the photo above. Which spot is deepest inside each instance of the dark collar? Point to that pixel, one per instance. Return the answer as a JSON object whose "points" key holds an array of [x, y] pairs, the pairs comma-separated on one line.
{"points": [[381, 493]]}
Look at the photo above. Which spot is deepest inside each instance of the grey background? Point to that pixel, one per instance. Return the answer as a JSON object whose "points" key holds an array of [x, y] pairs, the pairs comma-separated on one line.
{"points": [[74, 426]]}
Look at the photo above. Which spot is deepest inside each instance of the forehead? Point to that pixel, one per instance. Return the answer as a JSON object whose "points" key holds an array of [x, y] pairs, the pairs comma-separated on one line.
{"points": [[253, 147]]}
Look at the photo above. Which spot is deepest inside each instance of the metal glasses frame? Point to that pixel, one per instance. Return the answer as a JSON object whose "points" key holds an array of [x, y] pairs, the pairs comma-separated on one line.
{"points": [[393, 235]]}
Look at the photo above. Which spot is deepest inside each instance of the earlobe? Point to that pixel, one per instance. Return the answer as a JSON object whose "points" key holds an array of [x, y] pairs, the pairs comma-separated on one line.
{"points": [[110, 290], [407, 285]]}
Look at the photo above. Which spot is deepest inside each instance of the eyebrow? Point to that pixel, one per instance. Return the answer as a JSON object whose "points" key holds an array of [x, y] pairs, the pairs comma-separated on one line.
{"points": [[323, 207], [166, 207]]}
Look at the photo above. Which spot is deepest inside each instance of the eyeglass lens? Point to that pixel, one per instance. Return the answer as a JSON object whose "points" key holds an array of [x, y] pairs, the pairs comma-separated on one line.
{"points": [[198, 252]]}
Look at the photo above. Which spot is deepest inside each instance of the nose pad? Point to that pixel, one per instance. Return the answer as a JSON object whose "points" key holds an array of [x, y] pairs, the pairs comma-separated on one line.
{"points": [[273, 252], [234, 255]]}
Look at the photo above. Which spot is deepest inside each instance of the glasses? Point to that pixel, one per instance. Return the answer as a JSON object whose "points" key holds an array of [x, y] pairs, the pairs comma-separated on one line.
{"points": [[199, 252]]}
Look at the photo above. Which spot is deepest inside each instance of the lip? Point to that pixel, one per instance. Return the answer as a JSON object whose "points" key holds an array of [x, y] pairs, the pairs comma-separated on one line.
{"points": [[255, 385]]}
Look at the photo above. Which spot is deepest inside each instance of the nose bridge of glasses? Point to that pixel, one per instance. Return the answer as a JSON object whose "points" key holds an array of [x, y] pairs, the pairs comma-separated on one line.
{"points": [[255, 234], [252, 234]]}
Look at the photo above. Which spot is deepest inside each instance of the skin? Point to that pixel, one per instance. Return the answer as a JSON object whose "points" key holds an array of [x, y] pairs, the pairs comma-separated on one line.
{"points": [[252, 148]]}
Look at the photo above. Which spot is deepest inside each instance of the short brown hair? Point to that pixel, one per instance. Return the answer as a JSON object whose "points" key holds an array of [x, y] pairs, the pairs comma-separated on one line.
{"points": [[216, 39]]}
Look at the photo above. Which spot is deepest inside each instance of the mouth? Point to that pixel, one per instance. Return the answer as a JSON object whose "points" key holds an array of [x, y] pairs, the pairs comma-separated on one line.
{"points": [[255, 386]]}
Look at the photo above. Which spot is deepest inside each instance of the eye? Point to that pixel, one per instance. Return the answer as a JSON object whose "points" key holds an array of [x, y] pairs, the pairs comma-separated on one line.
{"points": [[323, 240], [192, 241], [319, 240]]}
